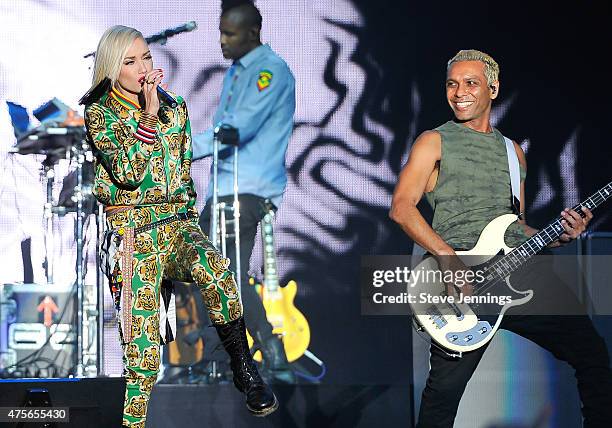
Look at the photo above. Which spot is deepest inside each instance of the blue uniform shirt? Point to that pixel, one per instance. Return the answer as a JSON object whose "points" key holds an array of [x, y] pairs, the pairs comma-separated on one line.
{"points": [[258, 98]]}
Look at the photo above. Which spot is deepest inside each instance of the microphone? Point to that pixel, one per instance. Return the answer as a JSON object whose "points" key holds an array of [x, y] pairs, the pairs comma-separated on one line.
{"points": [[163, 95], [166, 97], [161, 37]]}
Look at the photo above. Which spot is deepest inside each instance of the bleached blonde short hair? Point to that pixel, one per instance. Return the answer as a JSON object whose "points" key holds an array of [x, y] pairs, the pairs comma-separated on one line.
{"points": [[491, 69]]}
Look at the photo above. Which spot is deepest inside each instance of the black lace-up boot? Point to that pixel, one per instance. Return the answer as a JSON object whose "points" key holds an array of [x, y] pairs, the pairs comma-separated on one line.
{"points": [[260, 399]]}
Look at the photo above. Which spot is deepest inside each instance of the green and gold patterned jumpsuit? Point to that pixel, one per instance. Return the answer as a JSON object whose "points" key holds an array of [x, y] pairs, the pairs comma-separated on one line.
{"points": [[143, 177]]}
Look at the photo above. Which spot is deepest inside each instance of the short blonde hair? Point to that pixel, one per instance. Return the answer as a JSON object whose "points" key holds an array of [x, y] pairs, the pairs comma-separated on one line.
{"points": [[491, 68], [111, 51]]}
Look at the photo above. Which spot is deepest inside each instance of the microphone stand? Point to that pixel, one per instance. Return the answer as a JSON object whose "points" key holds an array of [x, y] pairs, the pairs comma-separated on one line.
{"points": [[163, 36]]}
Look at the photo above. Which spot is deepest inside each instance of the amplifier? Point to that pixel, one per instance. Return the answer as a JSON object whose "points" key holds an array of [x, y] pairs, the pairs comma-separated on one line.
{"points": [[91, 402], [37, 330]]}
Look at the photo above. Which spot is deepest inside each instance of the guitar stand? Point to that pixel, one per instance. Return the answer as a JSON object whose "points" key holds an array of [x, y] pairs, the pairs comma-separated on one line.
{"points": [[301, 372]]}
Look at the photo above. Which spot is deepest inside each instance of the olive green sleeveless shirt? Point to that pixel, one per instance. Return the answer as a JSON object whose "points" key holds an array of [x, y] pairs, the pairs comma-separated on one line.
{"points": [[473, 186]]}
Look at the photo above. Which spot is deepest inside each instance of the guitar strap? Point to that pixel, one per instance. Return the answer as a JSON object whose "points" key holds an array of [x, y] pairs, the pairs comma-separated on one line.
{"points": [[515, 176]]}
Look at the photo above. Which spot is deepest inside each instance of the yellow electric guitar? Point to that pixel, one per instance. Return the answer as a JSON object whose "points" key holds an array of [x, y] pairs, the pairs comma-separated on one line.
{"points": [[287, 321]]}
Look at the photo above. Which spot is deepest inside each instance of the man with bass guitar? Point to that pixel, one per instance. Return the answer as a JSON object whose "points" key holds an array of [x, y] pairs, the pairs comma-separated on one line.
{"points": [[463, 169]]}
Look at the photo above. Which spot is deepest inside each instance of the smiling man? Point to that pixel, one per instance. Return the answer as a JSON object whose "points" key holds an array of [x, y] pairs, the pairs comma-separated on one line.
{"points": [[462, 167]]}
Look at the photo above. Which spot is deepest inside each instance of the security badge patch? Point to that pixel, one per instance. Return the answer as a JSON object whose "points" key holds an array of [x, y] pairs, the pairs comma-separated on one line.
{"points": [[265, 77]]}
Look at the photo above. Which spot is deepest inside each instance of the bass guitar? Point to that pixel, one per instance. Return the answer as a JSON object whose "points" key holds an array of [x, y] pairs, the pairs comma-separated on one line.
{"points": [[461, 325]]}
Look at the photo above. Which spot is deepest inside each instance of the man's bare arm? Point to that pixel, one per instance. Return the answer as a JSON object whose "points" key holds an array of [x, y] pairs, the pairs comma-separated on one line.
{"points": [[414, 180]]}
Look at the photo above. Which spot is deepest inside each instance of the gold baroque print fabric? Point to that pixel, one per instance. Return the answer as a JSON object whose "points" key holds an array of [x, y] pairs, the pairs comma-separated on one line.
{"points": [[132, 172], [180, 251], [154, 180]]}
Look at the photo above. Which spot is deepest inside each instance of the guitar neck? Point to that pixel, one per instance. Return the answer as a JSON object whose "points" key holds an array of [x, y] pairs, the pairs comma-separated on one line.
{"points": [[513, 260], [271, 283]]}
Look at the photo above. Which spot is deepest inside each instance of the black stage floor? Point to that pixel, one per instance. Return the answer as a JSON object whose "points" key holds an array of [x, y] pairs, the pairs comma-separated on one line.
{"points": [[322, 406]]}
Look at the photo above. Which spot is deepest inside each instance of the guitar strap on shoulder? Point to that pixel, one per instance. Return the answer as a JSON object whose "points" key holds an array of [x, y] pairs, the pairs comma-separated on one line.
{"points": [[515, 176]]}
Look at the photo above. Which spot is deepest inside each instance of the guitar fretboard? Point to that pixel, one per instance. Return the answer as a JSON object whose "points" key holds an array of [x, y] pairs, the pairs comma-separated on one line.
{"points": [[504, 266], [269, 255]]}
